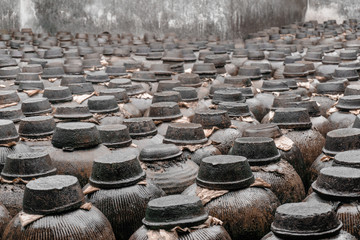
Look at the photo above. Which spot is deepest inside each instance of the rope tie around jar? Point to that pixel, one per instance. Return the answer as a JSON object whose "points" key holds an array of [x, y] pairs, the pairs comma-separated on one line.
{"points": [[173, 233], [15, 181], [9, 145], [26, 219], [206, 195], [91, 189], [284, 143]]}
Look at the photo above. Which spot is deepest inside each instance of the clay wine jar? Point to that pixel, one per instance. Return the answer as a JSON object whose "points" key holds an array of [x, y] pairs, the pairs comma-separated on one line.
{"points": [[118, 194]]}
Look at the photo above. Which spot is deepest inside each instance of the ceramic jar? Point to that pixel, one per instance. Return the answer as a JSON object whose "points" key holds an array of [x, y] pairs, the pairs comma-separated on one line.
{"points": [[58, 201], [117, 190], [166, 167], [263, 155], [76, 145], [228, 180], [166, 213]]}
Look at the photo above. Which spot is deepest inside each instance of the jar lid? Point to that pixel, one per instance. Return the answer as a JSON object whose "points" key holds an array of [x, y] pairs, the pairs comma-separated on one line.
{"points": [[235, 109], [228, 95], [269, 130], [115, 135], [175, 210], [72, 111], [225, 172], [53, 195], [140, 127], [165, 111], [185, 134], [36, 127], [8, 132], [333, 87], [116, 170], [274, 86], [9, 96], [293, 118], [159, 152], [305, 220], [338, 182], [75, 135], [351, 102], [350, 158], [58, 94], [258, 150], [341, 140], [212, 118], [345, 72], [103, 104], [167, 96], [28, 165], [36, 106]]}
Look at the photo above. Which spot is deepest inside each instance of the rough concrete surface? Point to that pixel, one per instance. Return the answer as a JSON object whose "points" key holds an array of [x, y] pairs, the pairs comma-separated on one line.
{"points": [[322, 10], [226, 18]]}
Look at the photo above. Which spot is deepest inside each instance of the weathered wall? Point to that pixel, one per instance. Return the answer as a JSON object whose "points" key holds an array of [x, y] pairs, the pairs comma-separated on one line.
{"points": [[226, 18], [9, 14], [339, 10]]}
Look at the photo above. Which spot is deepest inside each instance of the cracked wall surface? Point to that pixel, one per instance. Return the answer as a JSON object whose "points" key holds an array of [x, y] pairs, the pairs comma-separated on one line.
{"points": [[226, 18], [322, 10]]}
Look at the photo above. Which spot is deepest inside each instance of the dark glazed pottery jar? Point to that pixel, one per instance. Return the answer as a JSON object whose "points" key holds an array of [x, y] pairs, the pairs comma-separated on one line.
{"points": [[120, 193], [218, 119], [350, 158], [345, 117], [9, 140], [266, 163], [327, 94], [76, 145], [57, 201], [230, 179], [164, 214], [115, 135], [4, 219], [166, 166], [306, 221], [289, 152], [23, 167], [298, 127], [337, 141], [338, 186]]}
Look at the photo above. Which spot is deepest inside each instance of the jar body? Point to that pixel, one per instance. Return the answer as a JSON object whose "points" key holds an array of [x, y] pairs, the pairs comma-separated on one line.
{"points": [[78, 224], [319, 164], [124, 207], [347, 211], [210, 233], [256, 205], [341, 119], [173, 177], [325, 104], [18, 148], [11, 196], [4, 218], [341, 236], [295, 158], [224, 139], [310, 143], [284, 180], [78, 162], [321, 124], [258, 108]]}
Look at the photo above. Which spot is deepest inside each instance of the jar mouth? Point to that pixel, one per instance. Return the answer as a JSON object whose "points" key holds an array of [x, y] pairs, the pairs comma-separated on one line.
{"points": [[233, 185], [10, 176], [171, 224], [117, 184], [285, 233]]}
